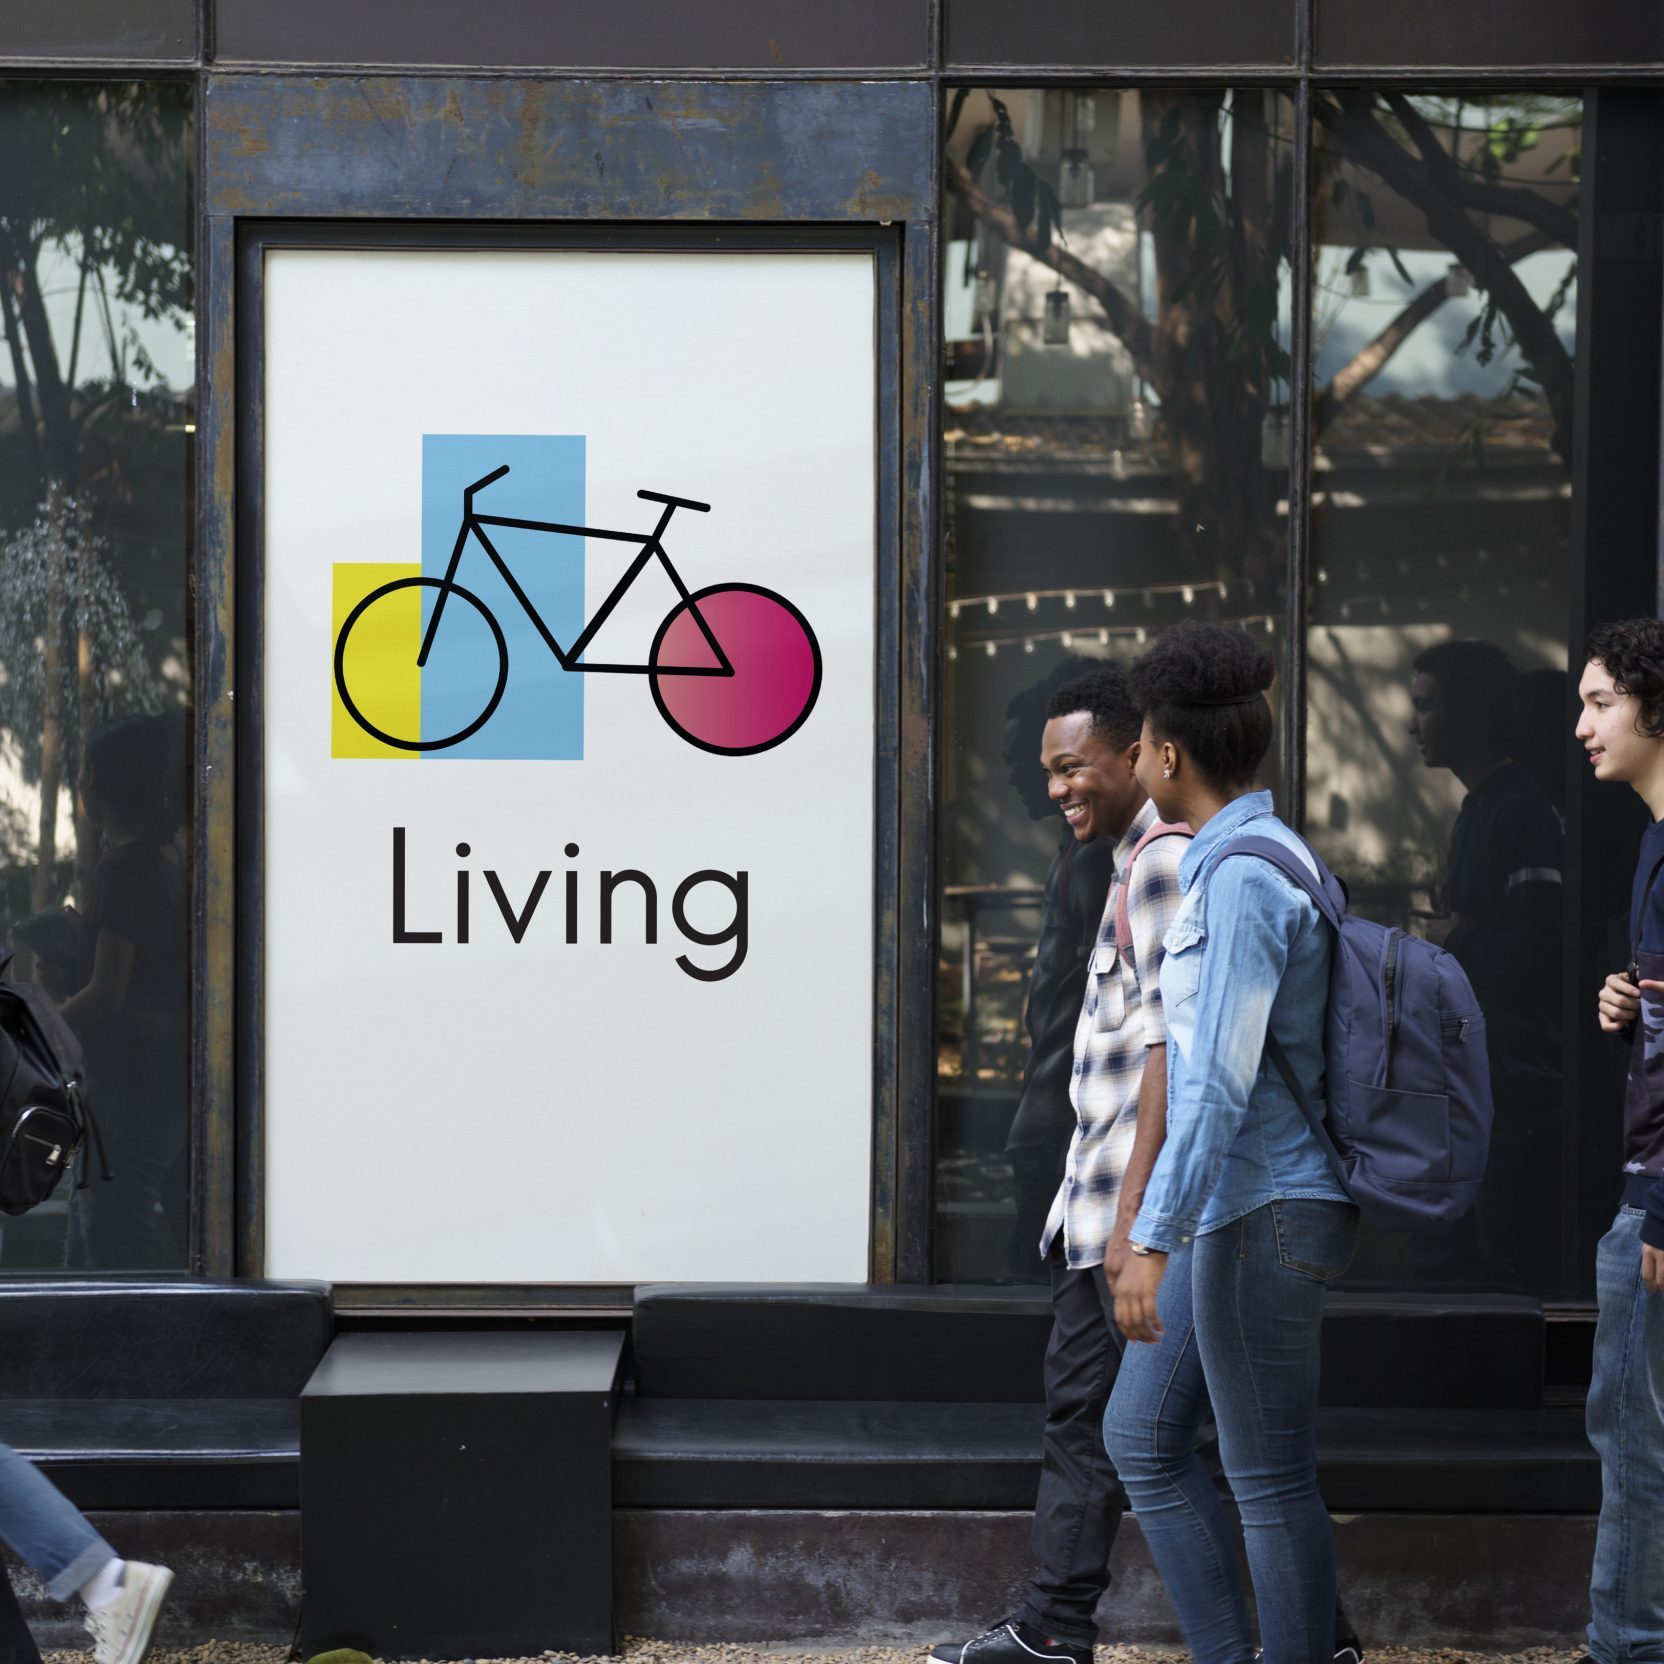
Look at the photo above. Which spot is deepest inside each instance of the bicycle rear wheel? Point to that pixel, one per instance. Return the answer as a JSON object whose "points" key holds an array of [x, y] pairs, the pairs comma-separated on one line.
{"points": [[366, 671], [776, 670]]}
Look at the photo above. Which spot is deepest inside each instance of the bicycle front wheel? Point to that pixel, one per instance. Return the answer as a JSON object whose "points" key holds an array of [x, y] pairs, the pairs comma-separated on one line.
{"points": [[379, 621], [776, 669]]}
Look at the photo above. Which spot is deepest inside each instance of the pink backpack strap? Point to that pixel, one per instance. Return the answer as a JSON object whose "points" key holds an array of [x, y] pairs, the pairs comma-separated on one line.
{"points": [[1123, 924]]}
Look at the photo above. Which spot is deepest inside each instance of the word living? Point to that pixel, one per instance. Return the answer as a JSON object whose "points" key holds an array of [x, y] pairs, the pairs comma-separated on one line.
{"points": [[517, 916]]}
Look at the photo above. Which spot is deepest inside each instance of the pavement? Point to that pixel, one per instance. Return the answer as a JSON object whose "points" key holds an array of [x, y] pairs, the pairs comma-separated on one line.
{"points": [[673, 1652]]}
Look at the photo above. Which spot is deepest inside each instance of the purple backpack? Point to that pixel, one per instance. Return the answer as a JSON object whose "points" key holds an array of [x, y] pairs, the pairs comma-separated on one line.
{"points": [[1409, 1084]]}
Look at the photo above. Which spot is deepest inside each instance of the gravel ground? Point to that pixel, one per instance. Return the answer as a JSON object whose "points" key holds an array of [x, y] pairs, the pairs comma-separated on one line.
{"points": [[672, 1652]]}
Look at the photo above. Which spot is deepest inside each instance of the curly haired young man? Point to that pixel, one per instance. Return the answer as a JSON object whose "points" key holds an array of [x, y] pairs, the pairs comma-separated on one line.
{"points": [[1621, 727]]}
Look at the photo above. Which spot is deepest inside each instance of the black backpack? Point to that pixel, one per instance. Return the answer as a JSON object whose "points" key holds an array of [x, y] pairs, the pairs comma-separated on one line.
{"points": [[43, 1106]]}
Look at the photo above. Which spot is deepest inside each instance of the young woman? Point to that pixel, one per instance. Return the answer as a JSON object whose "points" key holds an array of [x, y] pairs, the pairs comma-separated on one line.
{"points": [[1243, 1223]]}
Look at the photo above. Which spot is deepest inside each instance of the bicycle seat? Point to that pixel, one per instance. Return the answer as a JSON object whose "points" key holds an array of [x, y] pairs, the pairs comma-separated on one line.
{"points": [[674, 502]]}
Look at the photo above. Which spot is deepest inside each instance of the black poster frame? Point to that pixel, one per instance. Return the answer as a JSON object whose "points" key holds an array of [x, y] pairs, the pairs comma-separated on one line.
{"points": [[268, 180]]}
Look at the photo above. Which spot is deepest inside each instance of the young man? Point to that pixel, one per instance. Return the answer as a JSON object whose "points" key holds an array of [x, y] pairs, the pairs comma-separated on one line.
{"points": [[1621, 726], [1118, 1088], [1088, 748]]}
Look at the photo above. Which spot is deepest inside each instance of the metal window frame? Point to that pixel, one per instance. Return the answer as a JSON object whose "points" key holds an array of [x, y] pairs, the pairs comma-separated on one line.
{"points": [[909, 715]]}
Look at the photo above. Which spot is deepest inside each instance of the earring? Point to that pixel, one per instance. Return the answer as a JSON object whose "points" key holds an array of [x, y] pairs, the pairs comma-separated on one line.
{"points": [[1167, 774]]}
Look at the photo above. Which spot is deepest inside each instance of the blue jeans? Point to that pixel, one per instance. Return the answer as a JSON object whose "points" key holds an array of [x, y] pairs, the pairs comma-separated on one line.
{"points": [[45, 1530], [1242, 1309], [1626, 1427]]}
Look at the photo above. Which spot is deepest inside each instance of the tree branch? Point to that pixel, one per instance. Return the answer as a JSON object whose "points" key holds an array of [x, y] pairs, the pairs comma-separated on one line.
{"points": [[1350, 118], [1362, 368], [1508, 201], [1129, 326]]}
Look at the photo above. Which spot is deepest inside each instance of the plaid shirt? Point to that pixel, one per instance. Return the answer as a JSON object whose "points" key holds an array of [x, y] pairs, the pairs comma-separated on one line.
{"points": [[1120, 1019]]}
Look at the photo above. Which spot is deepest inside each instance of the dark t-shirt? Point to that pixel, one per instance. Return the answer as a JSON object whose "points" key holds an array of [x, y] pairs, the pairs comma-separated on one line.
{"points": [[1504, 885], [138, 894], [1076, 889], [1643, 1106]]}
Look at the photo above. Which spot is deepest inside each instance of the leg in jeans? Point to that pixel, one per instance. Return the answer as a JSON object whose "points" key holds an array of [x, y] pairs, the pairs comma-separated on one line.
{"points": [[1260, 1284], [1155, 1412], [1626, 1427], [45, 1530], [1080, 1502]]}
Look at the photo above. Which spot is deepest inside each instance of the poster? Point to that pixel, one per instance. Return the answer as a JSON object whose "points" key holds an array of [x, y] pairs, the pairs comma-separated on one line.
{"points": [[568, 764]]}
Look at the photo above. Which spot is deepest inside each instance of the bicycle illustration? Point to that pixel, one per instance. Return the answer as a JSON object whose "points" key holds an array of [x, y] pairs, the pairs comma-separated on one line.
{"points": [[758, 692]]}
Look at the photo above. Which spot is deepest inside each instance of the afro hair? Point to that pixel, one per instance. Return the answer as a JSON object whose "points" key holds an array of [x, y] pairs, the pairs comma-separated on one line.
{"points": [[1184, 686]]}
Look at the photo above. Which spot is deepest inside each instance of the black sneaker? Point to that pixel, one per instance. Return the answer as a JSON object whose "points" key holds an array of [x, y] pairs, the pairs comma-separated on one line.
{"points": [[1011, 1643]]}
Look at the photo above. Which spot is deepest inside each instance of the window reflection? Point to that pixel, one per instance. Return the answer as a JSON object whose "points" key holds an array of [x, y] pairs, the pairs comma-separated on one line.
{"points": [[96, 406], [1117, 451], [1438, 733]]}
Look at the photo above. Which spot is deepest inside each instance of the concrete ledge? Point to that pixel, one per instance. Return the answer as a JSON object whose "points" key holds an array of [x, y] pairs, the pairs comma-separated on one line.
{"points": [[1496, 1582]]}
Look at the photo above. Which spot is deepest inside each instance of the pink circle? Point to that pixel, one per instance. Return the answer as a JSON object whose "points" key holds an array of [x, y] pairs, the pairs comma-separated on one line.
{"points": [[775, 661]]}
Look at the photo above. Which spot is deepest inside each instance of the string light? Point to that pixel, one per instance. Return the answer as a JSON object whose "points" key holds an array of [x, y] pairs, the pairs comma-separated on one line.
{"points": [[1106, 635], [1069, 599], [1189, 595], [1031, 598], [993, 603], [1109, 597]]}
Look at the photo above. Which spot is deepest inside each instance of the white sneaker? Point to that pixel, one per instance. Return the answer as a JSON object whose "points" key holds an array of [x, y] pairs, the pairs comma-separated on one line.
{"points": [[121, 1631]]}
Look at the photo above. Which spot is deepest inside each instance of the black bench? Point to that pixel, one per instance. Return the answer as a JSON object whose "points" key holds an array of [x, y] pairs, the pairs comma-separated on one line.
{"points": [[161, 1392], [841, 1396]]}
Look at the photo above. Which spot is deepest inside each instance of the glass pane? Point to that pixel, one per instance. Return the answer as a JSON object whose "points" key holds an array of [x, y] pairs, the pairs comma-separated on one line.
{"points": [[1116, 312], [1438, 735], [96, 417]]}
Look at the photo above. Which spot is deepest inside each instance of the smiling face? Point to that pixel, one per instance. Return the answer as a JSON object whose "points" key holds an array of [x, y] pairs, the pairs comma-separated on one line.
{"points": [[1607, 729], [1091, 781]]}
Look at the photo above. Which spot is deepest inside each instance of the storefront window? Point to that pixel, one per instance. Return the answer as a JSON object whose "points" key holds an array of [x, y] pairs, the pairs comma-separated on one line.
{"points": [[96, 418], [1117, 451], [1438, 740]]}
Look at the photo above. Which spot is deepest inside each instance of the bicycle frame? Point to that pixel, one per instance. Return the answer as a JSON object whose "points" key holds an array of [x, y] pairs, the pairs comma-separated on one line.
{"points": [[568, 657]]}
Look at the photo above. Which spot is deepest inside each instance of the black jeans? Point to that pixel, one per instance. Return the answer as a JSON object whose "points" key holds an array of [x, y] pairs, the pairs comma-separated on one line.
{"points": [[1080, 1502], [17, 1645]]}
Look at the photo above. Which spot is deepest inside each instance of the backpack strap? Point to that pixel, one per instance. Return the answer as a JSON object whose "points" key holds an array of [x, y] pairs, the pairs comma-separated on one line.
{"points": [[1123, 921], [1317, 886]]}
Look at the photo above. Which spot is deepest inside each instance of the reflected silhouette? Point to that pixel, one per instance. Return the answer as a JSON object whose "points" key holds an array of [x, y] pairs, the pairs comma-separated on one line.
{"points": [[1500, 915], [130, 1011]]}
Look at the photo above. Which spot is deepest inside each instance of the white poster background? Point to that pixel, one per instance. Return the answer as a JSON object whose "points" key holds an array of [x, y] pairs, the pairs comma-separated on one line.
{"points": [[550, 1112]]}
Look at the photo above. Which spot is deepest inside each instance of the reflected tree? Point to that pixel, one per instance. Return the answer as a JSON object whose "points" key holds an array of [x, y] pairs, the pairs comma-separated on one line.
{"points": [[1217, 204], [92, 181]]}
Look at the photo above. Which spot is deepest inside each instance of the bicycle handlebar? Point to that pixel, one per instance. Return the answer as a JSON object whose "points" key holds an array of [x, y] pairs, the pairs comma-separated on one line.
{"points": [[674, 502], [480, 485]]}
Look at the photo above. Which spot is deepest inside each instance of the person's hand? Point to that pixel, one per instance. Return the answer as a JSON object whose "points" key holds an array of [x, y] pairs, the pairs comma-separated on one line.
{"points": [[1652, 1272], [1135, 1296], [1116, 1256], [1620, 1002]]}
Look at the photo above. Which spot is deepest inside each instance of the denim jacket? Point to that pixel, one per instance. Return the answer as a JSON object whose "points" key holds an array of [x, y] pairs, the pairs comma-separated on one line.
{"points": [[1246, 949]]}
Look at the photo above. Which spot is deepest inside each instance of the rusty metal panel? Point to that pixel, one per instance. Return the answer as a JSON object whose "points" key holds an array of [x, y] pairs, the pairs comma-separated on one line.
{"points": [[774, 36], [1114, 36], [458, 149], [135, 31], [1428, 32], [452, 148]]}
